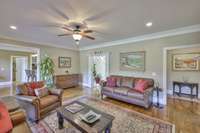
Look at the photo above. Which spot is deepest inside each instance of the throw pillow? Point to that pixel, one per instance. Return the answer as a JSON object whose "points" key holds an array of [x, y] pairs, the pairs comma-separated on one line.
{"points": [[127, 82], [34, 85], [41, 92], [118, 78], [111, 82], [141, 85]]}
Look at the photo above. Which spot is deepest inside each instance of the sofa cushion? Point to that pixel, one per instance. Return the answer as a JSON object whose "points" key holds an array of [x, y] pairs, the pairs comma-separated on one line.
{"points": [[111, 82], [48, 100], [109, 89], [141, 85], [41, 92], [121, 90], [150, 81], [135, 94], [127, 82]]}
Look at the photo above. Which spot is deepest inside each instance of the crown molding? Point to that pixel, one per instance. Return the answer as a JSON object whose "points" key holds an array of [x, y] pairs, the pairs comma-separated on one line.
{"points": [[12, 47], [38, 43], [168, 33]]}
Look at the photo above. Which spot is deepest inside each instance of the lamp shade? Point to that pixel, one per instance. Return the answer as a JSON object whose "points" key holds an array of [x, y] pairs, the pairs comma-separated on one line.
{"points": [[77, 37]]}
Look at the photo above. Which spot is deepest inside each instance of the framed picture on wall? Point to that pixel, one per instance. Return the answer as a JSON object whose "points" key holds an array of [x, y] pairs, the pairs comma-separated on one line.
{"points": [[185, 62], [64, 62], [132, 61]]}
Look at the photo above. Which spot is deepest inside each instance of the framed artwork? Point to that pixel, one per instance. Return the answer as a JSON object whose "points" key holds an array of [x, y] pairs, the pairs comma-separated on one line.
{"points": [[132, 61], [64, 62], [185, 62]]}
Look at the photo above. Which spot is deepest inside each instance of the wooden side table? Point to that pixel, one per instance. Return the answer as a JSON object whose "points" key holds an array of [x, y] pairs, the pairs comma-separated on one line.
{"points": [[180, 85]]}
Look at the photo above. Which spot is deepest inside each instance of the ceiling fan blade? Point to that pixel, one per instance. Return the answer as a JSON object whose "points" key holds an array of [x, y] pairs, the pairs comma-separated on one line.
{"points": [[89, 37], [87, 31], [64, 34], [58, 11], [66, 28], [98, 16]]}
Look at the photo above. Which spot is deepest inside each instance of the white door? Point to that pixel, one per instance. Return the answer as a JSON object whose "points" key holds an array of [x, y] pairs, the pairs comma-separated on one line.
{"points": [[21, 66]]}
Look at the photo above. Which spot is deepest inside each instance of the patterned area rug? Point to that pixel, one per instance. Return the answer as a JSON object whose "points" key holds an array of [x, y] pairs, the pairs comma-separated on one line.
{"points": [[126, 121]]}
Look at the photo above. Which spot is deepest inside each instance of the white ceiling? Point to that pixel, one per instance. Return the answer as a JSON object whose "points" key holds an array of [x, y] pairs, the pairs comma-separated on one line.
{"points": [[113, 19]]}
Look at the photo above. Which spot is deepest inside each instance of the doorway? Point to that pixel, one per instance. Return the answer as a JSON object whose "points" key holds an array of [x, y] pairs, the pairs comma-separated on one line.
{"points": [[98, 64], [167, 91], [19, 65]]}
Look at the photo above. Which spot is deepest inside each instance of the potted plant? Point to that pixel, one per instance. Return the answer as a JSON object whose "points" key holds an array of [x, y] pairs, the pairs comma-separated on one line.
{"points": [[47, 70], [96, 76]]}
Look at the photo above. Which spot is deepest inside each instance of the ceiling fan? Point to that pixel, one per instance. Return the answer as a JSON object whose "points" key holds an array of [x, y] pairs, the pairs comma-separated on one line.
{"points": [[77, 31]]}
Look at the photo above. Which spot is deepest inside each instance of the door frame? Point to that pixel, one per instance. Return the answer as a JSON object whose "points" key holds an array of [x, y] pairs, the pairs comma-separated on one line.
{"points": [[13, 47], [165, 76], [11, 64], [107, 54]]}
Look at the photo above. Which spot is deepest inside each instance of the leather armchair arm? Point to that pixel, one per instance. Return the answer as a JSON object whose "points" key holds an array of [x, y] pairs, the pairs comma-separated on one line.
{"points": [[18, 117], [30, 99]]}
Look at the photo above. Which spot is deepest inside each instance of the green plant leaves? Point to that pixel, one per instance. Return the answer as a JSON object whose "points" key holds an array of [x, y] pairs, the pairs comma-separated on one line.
{"points": [[47, 70]]}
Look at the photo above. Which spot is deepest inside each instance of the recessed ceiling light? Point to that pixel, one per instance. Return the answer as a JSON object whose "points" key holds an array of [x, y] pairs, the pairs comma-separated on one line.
{"points": [[149, 24], [13, 27]]}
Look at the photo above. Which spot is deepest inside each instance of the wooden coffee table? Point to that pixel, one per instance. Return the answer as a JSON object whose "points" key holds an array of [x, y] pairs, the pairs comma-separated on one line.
{"points": [[101, 125]]}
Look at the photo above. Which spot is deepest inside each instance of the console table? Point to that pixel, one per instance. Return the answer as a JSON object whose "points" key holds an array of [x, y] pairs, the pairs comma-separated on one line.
{"points": [[67, 80], [180, 85]]}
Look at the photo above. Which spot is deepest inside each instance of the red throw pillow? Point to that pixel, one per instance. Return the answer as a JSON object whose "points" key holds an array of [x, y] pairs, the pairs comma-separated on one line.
{"points": [[141, 85], [5, 121], [111, 82], [32, 86]]}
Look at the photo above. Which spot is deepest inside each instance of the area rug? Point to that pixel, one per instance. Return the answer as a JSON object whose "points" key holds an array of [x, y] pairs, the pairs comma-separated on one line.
{"points": [[126, 121]]}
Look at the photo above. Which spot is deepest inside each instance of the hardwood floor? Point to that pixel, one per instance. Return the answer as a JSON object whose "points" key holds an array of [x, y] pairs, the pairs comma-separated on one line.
{"points": [[184, 115]]}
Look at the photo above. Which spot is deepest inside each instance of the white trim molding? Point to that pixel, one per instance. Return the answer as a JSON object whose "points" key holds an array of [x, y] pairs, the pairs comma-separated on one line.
{"points": [[168, 33], [11, 47], [40, 43]]}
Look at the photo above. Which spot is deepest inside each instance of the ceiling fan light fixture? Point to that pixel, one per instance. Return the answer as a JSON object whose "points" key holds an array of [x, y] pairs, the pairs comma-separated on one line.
{"points": [[77, 37]]}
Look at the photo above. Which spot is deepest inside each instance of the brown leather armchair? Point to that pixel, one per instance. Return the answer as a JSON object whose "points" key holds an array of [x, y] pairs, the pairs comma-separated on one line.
{"points": [[36, 108]]}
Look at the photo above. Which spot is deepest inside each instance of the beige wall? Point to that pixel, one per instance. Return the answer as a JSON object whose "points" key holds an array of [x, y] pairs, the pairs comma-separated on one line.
{"points": [[5, 63], [53, 52], [192, 76], [154, 55]]}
